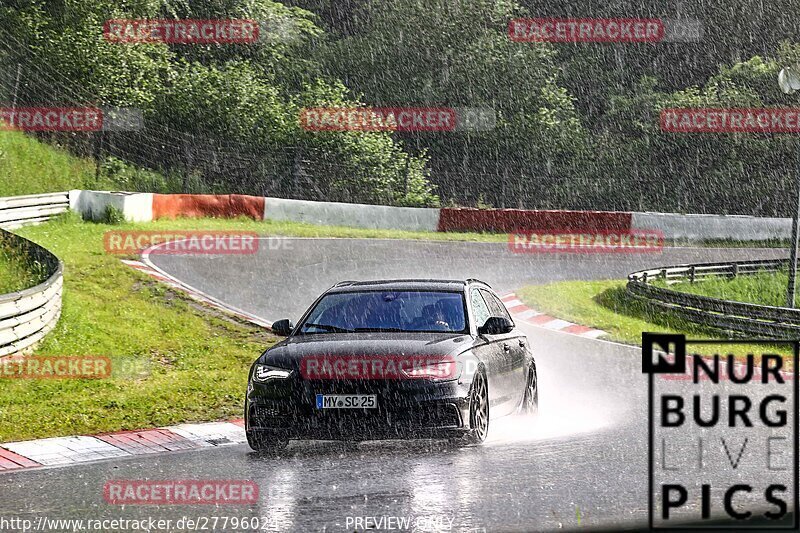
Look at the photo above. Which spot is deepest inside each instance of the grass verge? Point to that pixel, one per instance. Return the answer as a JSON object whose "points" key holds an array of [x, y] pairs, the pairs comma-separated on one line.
{"points": [[15, 272], [173, 360], [763, 289], [300, 229], [28, 166], [603, 305]]}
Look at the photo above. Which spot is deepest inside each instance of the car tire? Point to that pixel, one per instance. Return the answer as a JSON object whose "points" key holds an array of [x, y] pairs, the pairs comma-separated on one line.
{"points": [[262, 443], [478, 410], [530, 402]]}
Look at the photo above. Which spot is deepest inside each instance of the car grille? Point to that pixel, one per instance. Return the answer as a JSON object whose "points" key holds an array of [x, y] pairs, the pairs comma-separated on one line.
{"points": [[419, 416], [273, 411]]}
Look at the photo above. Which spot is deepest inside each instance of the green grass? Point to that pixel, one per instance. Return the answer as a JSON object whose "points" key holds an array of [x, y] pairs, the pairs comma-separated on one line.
{"points": [[763, 288], [728, 243], [173, 360], [28, 166], [15, 273], [300, 229], [603, 305], [599, 304]]}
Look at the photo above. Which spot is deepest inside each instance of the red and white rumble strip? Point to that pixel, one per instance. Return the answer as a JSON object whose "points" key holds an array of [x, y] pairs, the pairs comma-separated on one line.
{"points": [[65, 451], [522, 312]]}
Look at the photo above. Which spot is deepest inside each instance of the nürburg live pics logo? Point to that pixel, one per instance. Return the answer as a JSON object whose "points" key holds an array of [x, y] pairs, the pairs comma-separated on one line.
{"points": [[722, 433]]}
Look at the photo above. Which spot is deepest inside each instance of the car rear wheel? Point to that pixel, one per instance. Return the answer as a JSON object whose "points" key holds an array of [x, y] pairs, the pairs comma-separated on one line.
{"points": [[530, 404], [261, 442]]}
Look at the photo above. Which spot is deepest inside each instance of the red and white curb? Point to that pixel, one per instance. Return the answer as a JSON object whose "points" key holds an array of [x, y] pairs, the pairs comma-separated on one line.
{"points": [[65, 451], [198, 295], [522, 312]]}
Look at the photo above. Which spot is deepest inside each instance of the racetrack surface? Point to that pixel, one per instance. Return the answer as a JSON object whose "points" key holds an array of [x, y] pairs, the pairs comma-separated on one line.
{"points": [[582, 463]]}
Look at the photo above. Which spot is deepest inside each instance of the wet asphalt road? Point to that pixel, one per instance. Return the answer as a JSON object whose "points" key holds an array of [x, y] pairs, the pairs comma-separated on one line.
{"points": [[287, 275], [581, 464]]}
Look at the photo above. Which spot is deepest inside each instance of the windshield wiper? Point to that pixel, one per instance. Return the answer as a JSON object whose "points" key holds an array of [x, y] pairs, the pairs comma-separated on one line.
{"points": [[327, 327]]}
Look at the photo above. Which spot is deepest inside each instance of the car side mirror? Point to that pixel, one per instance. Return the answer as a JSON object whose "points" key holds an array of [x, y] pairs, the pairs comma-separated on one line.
{"points": [[282, 327], [496, 325]]}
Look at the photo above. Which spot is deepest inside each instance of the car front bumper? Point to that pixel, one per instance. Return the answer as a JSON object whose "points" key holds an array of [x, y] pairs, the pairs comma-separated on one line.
{"points": [[405, 409]]}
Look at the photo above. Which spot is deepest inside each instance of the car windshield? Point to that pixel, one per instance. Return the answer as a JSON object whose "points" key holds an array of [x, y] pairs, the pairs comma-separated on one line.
{"points": [[404, 311]]}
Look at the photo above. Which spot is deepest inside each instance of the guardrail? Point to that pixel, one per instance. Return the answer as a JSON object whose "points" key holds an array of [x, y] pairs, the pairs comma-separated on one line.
{"points": [[732, 317], [17, 211], [27, 316]]}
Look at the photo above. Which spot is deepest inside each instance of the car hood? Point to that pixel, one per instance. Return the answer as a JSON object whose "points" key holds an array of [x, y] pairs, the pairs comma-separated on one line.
{"points": [[290, 352]]}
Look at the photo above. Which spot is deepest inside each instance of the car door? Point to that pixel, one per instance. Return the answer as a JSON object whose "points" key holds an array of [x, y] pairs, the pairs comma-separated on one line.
{"points": [[514, 348], [488, 351], [502, 391]]}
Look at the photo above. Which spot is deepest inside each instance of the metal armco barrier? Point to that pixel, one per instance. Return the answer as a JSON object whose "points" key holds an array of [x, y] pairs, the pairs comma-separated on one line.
{"points": [[27, 316], [729, 316], [17, 211]]}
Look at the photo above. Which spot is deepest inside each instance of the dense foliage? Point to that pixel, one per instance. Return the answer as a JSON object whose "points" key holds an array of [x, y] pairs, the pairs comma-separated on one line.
{"points": [[577, 125]]}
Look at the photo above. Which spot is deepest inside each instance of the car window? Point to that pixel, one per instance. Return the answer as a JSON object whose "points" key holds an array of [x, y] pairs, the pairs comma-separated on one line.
{"points": [[409, 311], [496, 307], [479, 308]]}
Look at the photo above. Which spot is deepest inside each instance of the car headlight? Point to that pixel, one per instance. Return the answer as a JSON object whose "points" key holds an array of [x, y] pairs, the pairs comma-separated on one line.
{"points": [[264, 373]]}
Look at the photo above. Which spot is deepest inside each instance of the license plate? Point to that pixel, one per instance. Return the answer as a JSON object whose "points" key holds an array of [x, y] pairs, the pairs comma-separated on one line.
{"points": [[347, 401]]}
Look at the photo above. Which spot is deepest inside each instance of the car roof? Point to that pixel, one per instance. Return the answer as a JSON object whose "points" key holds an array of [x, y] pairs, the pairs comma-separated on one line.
{"points": [[405, 284]]}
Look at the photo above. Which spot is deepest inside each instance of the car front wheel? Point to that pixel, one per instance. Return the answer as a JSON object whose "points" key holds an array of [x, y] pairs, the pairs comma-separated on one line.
{"points": [[478, 410]]}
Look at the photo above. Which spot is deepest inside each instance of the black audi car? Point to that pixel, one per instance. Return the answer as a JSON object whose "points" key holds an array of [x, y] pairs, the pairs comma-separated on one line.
{"points": [[392, 359]]}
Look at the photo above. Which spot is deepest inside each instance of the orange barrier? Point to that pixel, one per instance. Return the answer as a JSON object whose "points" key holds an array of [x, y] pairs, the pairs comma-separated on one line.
{"points": [[207, 205]]}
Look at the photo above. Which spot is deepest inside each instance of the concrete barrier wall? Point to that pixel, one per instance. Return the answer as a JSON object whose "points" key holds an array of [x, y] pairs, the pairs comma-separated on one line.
{"points": [[352, 215], [27, 316], [142, 207], [704, 227], [510, 220], [92, 205], [17, 211]]}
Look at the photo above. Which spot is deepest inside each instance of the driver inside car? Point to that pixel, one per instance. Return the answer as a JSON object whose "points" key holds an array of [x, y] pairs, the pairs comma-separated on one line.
{"points": [[433, 318]]}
